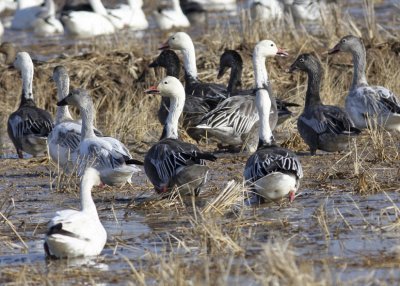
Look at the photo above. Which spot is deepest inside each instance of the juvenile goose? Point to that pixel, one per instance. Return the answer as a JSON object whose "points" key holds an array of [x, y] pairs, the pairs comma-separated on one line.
{"points": [[194, 108], [171, 162], [271, 172], [168, 18], [324, 127], [29, 126], [232, 121], [90, 23], [63, 141], [73, 233], [108, 155], [212, 92], [365, 103]]}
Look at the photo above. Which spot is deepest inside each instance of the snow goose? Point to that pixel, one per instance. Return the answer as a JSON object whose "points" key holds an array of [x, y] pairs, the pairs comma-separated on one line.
{"points": [[108, 155], [46, 22], [168, 18], [90, 23], [265, 10], [195, 107], [64, 139], [73, 233], [7, 5], [271, 172], [131, 15], [365, 103], [29, 126], [170, 162], [306, 10], [232, 59], [232, 121], [25, 16], [194, 11], [212, 92], [226, 5], [324, 127]]}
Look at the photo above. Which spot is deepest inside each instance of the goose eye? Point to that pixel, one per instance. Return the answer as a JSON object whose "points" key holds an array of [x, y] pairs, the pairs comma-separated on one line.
{"points": [[344, 41], [165, 82], [302, 60], [173, 38], [272, 45]]}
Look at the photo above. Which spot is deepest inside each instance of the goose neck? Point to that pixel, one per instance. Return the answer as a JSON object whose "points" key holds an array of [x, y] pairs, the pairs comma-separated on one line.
{"points": [[235, 78], [263, 103], [63, 113], [359, 62], [87, 113], [314, 82], [98, 7], [173, 69], [27, 79], [175, 110], [189, 60], [260, 70], [87, 203]]}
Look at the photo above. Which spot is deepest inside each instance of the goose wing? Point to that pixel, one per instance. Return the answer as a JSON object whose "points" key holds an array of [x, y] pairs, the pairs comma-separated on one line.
{"points": [[271, 159]]}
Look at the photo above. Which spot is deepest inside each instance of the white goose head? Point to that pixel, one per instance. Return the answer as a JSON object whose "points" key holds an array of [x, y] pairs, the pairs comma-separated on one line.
{"points": [[23, 62], [268, 48], [178, 41]]}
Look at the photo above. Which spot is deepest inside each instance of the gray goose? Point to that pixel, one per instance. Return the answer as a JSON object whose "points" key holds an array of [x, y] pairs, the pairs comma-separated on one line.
{"points": [[271, 172], [365, 103], [324, 127], [170, 162], [29, 126]]}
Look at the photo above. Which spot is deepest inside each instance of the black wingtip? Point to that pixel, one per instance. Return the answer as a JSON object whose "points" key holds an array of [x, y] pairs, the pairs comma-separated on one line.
{"points": [[207, 156], [134, 162]]}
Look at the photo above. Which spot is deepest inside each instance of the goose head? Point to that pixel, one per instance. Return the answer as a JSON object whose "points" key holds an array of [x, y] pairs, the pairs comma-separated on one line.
{"points": [[346, 44], [168, 87], [268, 48], [91, 175], [306, 63], [60, 74], [178, 41], [78, 97], [23, 62], [229, 59], [165, 59]]}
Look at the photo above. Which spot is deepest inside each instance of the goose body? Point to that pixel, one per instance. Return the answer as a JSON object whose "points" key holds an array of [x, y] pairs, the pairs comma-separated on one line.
{"points": [[266, 10], [73, 233], [170, 162], [63, 141], [271, 172], [91, 23], [29, 126], [325, 127], [108, 155], [46, 22], [168, 18], [25, 16], [306, 10], [194, 108], [194, 11], [131, 15], [367, 104], [212, 92]]}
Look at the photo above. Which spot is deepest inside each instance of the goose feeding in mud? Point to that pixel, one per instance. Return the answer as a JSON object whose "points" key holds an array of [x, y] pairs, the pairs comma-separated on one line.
{"points": [[271, 172], [212, 92], [108, 155], [171, 162], [322, 127], [194, 108], [171, 17], [64, 139], [364, 103], [233, 121], [73, 233], [29, 126]]}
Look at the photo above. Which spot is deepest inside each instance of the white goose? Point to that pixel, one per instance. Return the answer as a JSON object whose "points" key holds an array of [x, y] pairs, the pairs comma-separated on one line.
{"points": [[364, 102], [271, 172], [88, 24], [29, 126], [131, 15], [306, 10], [265, 10], [73, 233], [25, 15], [169, 18], [63, 141], [108, 155], [46, 22]]}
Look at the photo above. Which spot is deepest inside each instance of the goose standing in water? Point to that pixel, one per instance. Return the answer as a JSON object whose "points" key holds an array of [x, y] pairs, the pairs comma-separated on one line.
{"points": [[212, 92], [365, 103], [195, 107], [64, 139], [73, 233], [29, 126], [168, 18], [271, 172], [324, 127], [170, 162], [233, 121], [108, 155]]}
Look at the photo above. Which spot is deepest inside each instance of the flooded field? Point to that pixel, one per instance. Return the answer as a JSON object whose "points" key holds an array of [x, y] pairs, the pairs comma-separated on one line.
{"points": [[343, 227]]}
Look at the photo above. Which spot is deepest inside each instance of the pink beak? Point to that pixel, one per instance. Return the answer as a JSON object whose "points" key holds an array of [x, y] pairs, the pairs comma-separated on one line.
{"points": [[282, 53], [292, 195], [164, 46], [152, 90]]}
